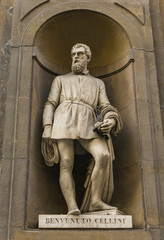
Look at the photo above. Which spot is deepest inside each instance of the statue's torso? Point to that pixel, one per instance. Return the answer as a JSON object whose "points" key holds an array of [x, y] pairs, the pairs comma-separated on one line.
{"points": [[74, 117]]}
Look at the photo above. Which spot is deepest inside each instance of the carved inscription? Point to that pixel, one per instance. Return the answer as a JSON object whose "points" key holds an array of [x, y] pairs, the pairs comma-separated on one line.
{"points": [[85, 221], [68, 220]]}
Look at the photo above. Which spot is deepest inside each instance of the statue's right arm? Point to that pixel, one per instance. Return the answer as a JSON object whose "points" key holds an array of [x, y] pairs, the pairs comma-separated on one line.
{"points": [[50, 106]]}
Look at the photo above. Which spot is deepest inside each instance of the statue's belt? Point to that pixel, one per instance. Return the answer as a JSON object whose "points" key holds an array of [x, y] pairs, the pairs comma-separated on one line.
{"points": [[80, 103]]}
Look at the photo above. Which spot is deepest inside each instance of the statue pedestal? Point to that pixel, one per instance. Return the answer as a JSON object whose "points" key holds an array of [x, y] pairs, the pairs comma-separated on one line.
{"points": [[97, 220]]}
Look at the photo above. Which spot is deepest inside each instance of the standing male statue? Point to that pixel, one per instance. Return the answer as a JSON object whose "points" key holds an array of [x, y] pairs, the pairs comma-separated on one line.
{"points": [[69, 115]]}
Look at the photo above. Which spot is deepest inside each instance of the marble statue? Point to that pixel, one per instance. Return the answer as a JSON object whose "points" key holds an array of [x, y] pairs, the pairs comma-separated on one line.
{"points": [[69, 115]]}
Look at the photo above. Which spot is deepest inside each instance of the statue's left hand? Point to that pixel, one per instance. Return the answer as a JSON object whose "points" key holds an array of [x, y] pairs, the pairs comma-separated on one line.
{"points": [[107, 125], [47, 131]]}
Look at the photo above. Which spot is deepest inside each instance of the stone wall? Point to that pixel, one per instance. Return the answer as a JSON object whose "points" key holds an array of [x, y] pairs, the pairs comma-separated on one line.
{"points": [[157, 17], [6, 11]]}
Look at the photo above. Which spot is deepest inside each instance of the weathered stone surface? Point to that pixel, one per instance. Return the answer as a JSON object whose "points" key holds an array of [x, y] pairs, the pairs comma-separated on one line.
{"points": [[19, 193], [157, 18], [8, 141], [26, 75], [85, 221], [21, 146], [5, 36], [5, 188], [81, 234], [135, 7], [27, 6]]}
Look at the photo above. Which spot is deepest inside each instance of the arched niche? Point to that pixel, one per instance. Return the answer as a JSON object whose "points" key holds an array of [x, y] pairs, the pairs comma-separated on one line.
{"points": [[111, 61], [105, 37]]}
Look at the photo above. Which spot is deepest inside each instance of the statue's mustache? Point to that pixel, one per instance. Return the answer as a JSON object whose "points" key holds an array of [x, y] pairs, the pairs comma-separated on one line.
{"points": [[76, 61]]}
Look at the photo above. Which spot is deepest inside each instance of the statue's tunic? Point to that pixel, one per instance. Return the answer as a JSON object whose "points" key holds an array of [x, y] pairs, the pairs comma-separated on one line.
{"points": [[71, 103]]}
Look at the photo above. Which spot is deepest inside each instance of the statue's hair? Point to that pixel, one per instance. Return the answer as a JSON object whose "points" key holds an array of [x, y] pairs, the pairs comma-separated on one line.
{"points": [[87, 49]]}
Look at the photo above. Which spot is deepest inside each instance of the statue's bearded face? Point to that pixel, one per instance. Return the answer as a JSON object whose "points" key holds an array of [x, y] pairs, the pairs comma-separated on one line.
{"points": [[79, 60]]}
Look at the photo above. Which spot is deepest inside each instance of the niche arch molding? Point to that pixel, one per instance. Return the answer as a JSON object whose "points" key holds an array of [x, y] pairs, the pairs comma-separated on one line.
{"points": [[133, 33]]}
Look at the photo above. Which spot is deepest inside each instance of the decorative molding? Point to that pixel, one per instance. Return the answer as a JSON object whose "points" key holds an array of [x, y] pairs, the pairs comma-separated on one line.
{"points": [[28, 5], [29, 33], [44, 67], [118, 70], [134, 7]]}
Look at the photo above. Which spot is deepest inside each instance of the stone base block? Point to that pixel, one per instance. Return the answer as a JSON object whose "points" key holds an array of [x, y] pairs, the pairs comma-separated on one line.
{"points": [[85, 221]]}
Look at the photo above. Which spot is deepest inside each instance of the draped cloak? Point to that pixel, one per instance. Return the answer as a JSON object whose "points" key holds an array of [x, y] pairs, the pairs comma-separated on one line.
{"points": [[70, 111]]}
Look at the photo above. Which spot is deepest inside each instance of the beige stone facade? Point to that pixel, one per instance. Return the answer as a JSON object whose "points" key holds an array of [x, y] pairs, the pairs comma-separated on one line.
{"points": [[126, 39]]}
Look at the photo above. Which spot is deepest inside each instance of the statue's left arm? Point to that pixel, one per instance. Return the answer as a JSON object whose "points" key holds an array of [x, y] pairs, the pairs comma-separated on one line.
{"points": [[50, 106], [111, 118]]}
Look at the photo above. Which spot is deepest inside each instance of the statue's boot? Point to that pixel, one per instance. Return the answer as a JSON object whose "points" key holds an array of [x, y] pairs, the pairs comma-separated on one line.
{"points": [[74, 211]]}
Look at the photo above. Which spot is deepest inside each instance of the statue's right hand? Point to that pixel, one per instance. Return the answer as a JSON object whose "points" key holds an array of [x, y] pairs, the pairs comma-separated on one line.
{"points": [[47, 131]]}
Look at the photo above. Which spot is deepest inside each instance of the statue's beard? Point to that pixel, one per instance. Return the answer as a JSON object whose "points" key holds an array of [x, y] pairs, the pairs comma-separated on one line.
{"points": [[78, 68]]}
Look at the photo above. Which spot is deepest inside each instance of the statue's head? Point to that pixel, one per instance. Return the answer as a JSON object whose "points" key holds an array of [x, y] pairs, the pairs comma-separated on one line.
{"points": [[81, 56], [85, 48]]}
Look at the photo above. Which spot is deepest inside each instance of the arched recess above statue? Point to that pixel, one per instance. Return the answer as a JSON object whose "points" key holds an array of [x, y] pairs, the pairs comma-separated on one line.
{"points": [[130, 31], [108, 42], [133, 32]]}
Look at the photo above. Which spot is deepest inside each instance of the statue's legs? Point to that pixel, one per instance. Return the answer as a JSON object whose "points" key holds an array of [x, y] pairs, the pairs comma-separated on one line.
{"points": [[99, 150], [66, 150]]}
